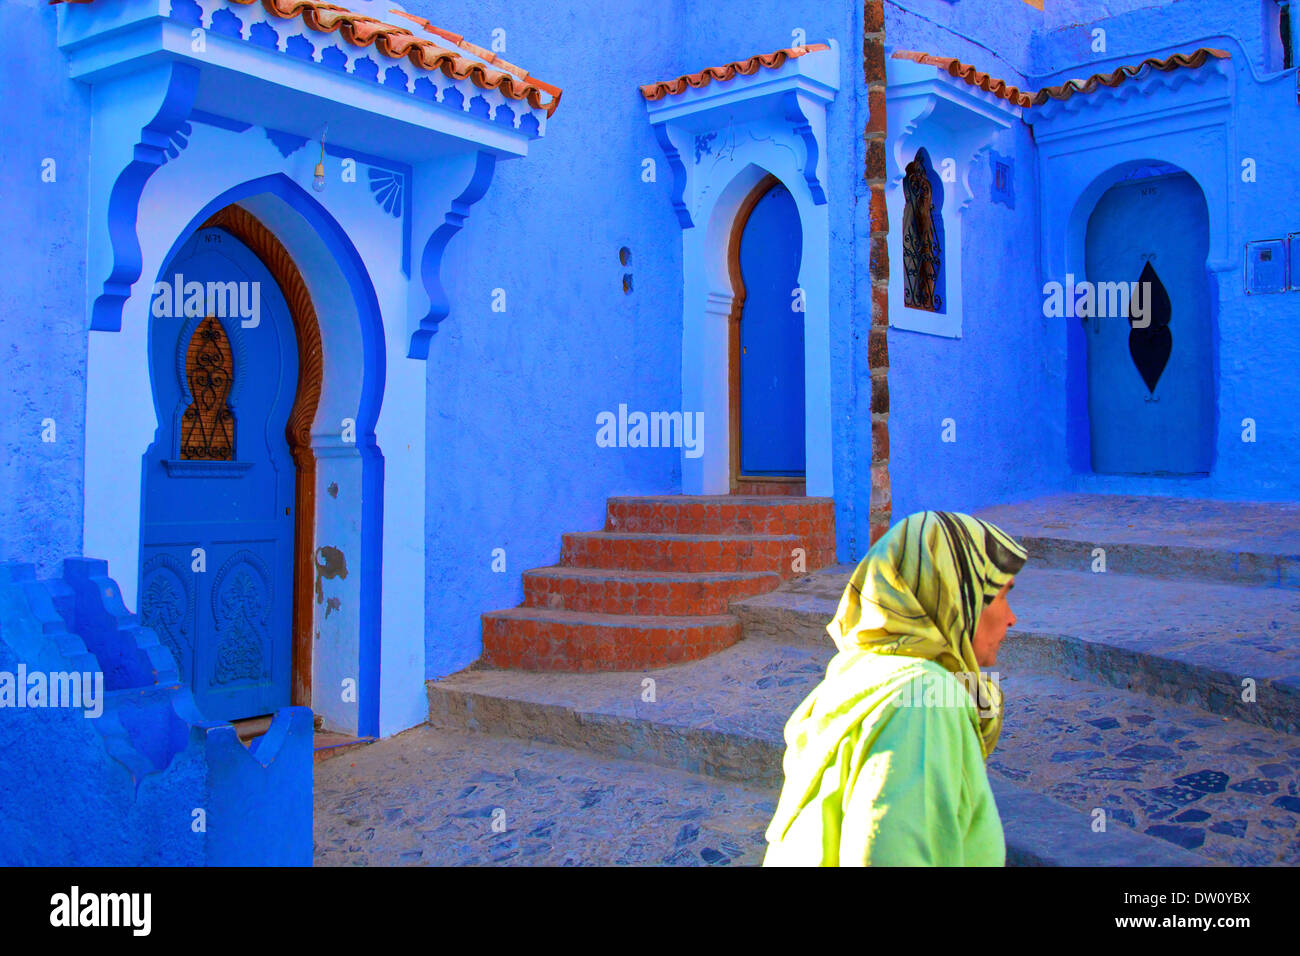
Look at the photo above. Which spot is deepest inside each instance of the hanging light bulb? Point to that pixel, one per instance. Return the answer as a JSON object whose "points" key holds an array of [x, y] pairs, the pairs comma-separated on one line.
{"points": [[318, 182]]}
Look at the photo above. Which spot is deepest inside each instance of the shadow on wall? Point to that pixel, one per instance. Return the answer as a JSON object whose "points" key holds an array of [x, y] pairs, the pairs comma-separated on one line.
{"points": [[104, 759]]}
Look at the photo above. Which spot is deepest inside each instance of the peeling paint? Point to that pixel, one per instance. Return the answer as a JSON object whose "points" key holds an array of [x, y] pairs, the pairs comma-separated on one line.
{"points": [[331, 605], [330, 563], [332, 489]]}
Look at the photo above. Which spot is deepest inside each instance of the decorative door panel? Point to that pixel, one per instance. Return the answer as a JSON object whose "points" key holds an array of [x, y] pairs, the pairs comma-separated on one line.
{"points": [[1150, 372], [771, 339], [167, 600], [217, 525]]}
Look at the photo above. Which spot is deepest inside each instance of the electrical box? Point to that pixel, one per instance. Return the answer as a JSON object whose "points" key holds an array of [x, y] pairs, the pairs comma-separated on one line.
{"points": [[1267, 265]]}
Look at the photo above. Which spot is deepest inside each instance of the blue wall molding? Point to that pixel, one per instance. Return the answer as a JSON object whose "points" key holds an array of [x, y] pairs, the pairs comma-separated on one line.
{"points": [[247, 38], [431, 259], [402, 171], [173, 89]]}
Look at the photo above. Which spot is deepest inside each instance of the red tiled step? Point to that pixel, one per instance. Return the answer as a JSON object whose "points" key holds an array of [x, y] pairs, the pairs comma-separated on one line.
{"points": [[680, 552], [812, 520], [613, 591], [655, 586], [530, 638]]}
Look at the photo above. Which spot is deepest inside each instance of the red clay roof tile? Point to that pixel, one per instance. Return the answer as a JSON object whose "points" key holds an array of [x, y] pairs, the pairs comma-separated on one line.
{"points": [[974, 77], [1167, 65], [398, 42], [1064, 91], [772, 61]]}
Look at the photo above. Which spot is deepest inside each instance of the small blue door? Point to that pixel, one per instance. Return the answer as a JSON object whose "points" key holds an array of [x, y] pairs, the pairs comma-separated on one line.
{"points": [[1150, 376], [216, 536], [771, 339]]}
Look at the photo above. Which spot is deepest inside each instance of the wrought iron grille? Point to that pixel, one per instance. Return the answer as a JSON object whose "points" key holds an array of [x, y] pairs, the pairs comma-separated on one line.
{"points": [[208, 425], [922, 253]]}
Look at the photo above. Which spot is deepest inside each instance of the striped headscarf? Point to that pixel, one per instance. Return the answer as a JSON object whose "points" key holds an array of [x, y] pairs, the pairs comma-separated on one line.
{"points": [[919, 593]]}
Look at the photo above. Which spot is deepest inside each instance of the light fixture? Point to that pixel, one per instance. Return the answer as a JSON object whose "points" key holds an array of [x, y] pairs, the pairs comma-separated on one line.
{"points": [[318, 182]]}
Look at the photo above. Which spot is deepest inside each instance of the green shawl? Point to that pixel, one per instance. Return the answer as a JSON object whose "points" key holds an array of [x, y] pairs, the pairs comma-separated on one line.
{"points": [[919, 593], [868, 781]]}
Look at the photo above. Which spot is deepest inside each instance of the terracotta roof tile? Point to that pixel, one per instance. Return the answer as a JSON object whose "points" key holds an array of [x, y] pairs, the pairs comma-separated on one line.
{"points": [[1064, 91], [1167, 65], [398, 42], [488, 56], [771, 61], [974, 77]]}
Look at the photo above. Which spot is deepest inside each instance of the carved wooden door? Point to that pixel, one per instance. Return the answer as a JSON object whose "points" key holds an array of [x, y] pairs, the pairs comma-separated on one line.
{"points": [[216, 536]]}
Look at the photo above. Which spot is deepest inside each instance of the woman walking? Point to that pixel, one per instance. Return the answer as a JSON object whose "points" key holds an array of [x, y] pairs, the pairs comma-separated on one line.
{"points": [[884, 760]]}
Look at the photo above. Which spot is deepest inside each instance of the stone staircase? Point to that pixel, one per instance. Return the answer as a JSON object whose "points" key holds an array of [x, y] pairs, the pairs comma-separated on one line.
{"points": [[1125, 696], [654, 586]]}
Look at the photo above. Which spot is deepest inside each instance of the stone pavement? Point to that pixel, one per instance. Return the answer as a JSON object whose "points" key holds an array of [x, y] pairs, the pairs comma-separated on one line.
{"points": [[428, 797], [1164, 693], [1223, 788]]}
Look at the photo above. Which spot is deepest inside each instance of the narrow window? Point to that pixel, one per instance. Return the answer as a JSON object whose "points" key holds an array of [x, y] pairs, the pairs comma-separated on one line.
{"points": [[1279, 25], [1284, 34], [208, 425], [922, 236]]}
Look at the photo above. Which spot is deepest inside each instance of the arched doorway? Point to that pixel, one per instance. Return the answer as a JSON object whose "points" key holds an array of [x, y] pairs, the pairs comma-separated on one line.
{"points": [[226, 528], [1150, 360], [768, 453]]}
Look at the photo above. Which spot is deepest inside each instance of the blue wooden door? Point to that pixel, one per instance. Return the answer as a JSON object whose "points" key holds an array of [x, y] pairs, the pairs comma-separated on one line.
{"points": [[771, 340], [216, 537], [1151, 390]]}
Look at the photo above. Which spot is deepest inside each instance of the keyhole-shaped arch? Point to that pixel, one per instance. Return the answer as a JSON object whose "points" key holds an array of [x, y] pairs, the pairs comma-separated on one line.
{"points": [[923, 243]]}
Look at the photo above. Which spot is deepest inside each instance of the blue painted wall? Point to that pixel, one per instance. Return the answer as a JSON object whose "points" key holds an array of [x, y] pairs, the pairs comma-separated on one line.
{"points": [[154, 784], [989, 382], [42, 308], [1253, 380], [1136, 29], [1003, 382], [513, 396]]}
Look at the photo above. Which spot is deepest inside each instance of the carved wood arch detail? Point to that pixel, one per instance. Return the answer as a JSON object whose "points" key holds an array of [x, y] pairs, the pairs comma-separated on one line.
{"points": [[249, 230]]}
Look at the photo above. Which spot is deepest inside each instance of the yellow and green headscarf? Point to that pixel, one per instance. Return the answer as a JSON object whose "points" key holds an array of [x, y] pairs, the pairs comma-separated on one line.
{"points": [[919, 593]]}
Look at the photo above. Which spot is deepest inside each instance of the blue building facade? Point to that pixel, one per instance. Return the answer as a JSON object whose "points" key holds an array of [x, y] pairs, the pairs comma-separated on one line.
{"points": [[483, 244]]}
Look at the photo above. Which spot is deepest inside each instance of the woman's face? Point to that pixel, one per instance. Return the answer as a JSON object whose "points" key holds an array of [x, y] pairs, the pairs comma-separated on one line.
{"points": [[992, 627]]}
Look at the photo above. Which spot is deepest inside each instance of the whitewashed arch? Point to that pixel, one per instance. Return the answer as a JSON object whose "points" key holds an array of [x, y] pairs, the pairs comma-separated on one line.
{"points": [[721, 140]]}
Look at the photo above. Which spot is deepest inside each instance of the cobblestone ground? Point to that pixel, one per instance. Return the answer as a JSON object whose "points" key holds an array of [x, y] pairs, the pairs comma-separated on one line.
{"points": [[1222, 788], [430, 797]]}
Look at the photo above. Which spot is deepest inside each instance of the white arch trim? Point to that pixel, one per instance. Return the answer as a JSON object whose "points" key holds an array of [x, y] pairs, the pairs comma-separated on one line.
{"points": [[720, 141]]}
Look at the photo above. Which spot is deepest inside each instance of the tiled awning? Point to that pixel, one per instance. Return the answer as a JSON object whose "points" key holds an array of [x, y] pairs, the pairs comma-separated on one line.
{"points": [[784, 93], [976, 78], [467, 61], [1177, 61], [746, 67], [1026, 99], [430, 116]]}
